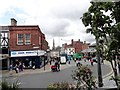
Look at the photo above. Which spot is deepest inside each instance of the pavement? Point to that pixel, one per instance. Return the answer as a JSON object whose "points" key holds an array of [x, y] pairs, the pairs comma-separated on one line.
{"points": [[107, 83], [7, 73]]}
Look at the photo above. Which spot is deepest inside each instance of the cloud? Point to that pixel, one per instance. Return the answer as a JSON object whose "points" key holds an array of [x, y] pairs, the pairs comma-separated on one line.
{"points": [[59, 28], [89, 38], [56, 18]]}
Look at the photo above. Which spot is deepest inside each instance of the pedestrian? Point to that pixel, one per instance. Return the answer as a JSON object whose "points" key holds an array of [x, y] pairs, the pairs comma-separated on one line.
{"points": [[50, 61], [91, 61], [16, 68], [10, 69], [23, 66], [58, 65], [30, 64], [75, 59], [20, 67], [68, 61]]}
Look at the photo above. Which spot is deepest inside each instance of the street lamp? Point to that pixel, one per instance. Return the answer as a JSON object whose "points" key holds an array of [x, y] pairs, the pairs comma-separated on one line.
{"points": [[44, 59], [48, 55]]}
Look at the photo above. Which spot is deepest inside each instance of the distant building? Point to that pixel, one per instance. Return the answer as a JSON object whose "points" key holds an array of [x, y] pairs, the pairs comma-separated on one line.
{"points": [[26, 44], [55, 52], [75, 47]]}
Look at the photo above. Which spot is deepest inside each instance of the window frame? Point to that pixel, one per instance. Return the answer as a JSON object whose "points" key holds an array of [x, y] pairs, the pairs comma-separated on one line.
{"points": [[22, 40], [40, 42], [26, 41]]}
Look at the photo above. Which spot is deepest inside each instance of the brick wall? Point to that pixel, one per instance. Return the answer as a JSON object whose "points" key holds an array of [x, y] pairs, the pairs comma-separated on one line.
{"points": [[78, 45], [35, 34]]}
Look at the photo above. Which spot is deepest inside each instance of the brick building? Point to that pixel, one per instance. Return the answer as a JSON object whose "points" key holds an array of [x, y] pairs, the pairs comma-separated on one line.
{"points": [[27, 38], [75, 47], [26, 44]]}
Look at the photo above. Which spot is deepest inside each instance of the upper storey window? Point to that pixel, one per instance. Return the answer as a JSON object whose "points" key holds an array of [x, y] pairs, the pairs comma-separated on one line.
{"points": [[20, 39], [27, 39]]}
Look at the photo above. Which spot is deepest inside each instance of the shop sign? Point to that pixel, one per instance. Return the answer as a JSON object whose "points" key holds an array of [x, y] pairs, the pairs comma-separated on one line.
{"points": [[41, 52], [23, 53]]}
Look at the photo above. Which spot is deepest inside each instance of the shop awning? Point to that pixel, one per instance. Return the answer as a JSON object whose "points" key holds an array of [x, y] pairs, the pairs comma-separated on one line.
{"points": [[77, 55]]}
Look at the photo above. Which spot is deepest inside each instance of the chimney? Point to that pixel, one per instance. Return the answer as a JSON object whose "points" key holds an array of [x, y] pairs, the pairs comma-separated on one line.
{"points": [[13, 22], [79, 40]]}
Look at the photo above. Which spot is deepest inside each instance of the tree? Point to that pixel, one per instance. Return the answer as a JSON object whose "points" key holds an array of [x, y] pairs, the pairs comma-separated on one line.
{"points": [[95, 18], [103, 18]]}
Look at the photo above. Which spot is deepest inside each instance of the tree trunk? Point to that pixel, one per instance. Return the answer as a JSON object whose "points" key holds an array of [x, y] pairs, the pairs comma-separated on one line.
{"points": [[100, 81], [115, 69]]}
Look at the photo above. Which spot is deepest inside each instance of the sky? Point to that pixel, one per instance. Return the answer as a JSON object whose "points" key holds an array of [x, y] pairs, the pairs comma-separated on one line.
{"points": [[57, 19]]}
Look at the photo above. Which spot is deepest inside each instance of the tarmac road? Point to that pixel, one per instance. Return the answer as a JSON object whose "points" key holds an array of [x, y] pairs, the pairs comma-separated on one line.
{"points": [[42, 80]]}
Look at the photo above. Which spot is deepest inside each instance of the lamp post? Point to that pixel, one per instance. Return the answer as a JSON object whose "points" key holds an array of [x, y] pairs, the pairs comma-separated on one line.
{"points": [[48, 55], [43, 59]]}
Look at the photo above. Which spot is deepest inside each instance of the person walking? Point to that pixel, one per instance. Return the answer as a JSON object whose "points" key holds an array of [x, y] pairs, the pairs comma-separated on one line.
{"points": [[10, 69], [58, 65], [20, 67], [50, 61], [16, 68], [91, 61]]}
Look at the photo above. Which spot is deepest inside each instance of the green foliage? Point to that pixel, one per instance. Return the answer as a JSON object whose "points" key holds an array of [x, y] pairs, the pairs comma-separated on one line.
{"points": [[103, 21], [84, 78], [8, 86]]}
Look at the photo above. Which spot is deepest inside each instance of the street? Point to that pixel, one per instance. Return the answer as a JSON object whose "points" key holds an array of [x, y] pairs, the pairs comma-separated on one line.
{"points": [[42, 80]]}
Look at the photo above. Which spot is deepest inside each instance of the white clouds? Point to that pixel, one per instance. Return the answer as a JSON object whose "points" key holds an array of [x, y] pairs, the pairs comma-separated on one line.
{"points": [[56, 18]]}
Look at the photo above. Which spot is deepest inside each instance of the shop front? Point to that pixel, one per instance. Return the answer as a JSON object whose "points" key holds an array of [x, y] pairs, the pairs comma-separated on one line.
{"points": [[4, 61], [27, 58]]}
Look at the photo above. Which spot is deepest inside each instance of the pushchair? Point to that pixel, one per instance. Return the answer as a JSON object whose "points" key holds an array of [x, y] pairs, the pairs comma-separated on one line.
{"points": [[54, 68]]}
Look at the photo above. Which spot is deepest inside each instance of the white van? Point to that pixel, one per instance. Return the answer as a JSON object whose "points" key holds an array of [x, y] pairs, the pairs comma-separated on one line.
{"points": [[63, 60]]}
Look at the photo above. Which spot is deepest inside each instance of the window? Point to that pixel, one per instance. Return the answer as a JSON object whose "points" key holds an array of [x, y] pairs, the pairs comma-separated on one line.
{"points": [[40, 40], [27, 39], [20, 39]]}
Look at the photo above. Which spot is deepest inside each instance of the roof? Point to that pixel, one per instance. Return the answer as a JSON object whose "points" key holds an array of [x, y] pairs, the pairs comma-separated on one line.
{"points": [[24, 27]]}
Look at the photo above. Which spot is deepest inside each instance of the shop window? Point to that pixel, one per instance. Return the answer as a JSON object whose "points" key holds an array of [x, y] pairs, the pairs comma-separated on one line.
{"points": [[27, 39], [20, 39]]}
